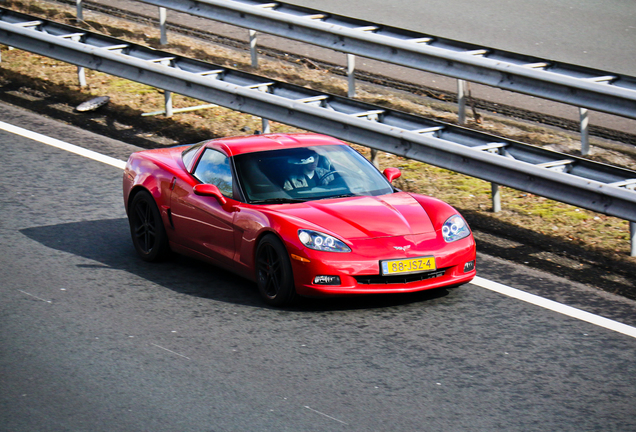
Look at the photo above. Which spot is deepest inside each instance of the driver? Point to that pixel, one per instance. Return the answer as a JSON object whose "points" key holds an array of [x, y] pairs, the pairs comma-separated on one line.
{"points": [[306, 173]]}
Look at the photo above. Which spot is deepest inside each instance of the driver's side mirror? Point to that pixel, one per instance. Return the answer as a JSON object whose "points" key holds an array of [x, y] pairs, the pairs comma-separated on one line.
{"points": [[206, 189], [391, 174]]}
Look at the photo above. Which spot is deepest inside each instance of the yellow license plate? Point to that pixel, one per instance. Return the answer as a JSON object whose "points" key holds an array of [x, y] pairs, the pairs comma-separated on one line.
{"points": [[409, 265]]}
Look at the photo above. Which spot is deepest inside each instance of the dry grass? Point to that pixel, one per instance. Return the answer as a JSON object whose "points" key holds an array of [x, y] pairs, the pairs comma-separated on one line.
{"points": [[606, 235]]}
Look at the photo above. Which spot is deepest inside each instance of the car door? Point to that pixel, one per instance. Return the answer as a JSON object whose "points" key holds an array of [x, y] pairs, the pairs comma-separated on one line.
{"points": [[203, 223]]}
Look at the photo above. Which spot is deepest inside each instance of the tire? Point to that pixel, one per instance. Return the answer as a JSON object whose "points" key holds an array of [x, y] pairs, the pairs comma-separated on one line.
{"points": [[146, 228], [274, 275]]}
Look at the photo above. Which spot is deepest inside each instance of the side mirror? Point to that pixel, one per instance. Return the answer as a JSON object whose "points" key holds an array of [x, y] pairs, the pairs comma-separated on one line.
{"points": [[210, 190], [391, 174]]}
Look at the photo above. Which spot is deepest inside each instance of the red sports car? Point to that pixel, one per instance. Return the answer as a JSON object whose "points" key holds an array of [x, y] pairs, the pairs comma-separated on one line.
{"points": [[299, 214]]}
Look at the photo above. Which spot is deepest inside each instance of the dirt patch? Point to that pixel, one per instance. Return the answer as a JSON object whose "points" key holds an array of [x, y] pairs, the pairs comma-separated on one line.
{"points": [[532, 230]]}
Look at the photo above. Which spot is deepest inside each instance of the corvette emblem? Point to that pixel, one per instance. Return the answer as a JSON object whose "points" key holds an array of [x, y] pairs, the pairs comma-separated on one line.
{"points": [[402, 248]]}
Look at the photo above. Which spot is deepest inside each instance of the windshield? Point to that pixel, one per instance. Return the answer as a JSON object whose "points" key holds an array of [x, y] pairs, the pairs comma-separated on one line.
{"points": [[308, 173]]}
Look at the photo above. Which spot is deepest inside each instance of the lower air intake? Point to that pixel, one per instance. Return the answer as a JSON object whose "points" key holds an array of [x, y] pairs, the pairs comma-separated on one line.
{"points": [[398, 279]]}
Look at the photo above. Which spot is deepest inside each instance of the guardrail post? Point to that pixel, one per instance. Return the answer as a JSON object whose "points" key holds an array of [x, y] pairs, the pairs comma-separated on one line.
{"points": [[167, 96], [585, 136], [351, 75], [374, 158], [80, 13], [496, 198], [163, 16], [632, 238], [81, 75], [253, 52], [461, 102], [265, 125]]}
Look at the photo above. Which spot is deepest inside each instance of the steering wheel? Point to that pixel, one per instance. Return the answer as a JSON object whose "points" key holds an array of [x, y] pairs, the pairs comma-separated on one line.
{"points": [[323, 179]]}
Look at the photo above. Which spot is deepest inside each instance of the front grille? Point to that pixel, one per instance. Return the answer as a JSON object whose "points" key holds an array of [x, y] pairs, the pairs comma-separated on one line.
{"points": [[398, 279]]}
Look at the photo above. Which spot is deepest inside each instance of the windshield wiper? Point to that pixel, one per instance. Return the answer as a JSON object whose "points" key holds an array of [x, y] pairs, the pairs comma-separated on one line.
{"points": [[341, 196], [278, 201]]}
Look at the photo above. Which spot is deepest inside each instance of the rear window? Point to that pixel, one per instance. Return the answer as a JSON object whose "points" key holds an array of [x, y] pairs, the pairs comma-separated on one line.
{"points": [[189, 154]]}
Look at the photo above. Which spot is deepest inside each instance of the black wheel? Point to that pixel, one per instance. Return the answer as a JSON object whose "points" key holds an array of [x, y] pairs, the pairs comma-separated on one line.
{"points": [[146, 228], [274, 273]]}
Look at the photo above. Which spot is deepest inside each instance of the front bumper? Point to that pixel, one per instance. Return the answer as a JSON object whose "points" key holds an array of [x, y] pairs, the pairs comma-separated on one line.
{"points": [[360, 274]]}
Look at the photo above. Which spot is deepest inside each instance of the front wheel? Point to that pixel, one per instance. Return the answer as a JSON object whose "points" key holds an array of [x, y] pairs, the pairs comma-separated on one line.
{"points": [[146, 228], [274, 273]]}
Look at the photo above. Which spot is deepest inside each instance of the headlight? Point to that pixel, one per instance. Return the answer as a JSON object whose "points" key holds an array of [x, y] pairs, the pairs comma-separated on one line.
{"points": [[322, 242], [455, 228]]}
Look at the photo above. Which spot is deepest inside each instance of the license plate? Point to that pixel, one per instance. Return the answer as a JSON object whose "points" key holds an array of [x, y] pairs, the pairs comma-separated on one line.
{"points": [[409, 265]]}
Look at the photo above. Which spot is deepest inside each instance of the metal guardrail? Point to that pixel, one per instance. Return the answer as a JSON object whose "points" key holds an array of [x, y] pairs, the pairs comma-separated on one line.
{"points": [[575, 85], [577, 181]]}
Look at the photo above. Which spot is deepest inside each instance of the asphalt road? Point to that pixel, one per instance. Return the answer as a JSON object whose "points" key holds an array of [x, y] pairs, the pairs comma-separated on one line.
{"points": [[93, 339]]}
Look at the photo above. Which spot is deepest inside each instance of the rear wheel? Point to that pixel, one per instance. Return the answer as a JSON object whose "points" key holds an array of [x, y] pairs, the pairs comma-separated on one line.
{"points": [[274, 273], [146, 228]]}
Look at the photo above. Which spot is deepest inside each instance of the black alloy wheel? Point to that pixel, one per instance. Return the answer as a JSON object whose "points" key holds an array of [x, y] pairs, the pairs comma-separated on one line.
{"points": [[146, 228], [274, 273]]}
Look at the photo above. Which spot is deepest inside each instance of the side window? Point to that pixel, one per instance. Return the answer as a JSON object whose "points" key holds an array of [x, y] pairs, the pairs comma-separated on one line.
{"points": [[189, 154], [214, 168]]}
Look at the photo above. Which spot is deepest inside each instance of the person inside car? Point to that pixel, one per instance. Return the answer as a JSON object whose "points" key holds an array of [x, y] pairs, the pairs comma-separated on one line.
{"points": [[305, 171]]}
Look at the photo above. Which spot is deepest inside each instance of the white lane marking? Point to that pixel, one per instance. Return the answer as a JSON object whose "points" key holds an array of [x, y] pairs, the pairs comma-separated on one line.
{"points": [[555, 306], [62, 145], [481, 282], [170, 351], [328, 416], [35, 297]]}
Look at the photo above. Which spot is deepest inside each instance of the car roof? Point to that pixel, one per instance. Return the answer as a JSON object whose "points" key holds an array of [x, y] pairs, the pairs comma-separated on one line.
{"points": [[254, 143]]}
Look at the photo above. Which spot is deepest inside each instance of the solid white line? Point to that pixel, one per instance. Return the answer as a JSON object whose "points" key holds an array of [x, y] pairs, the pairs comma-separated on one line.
{"points": [[170, 351], [481, 282], [555, 306], [36, 297], [323, 414], [62, 145]]}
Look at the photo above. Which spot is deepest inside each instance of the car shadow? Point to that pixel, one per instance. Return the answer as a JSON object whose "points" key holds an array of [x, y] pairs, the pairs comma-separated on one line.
{"points": [[370, 301], [107, 242]]}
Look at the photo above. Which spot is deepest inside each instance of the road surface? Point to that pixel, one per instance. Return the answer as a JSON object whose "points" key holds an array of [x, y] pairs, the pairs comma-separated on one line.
{"points": [[92, 338]]}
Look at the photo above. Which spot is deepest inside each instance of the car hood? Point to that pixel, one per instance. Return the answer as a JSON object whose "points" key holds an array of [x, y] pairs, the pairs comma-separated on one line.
{"points": [[366, 217]]}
